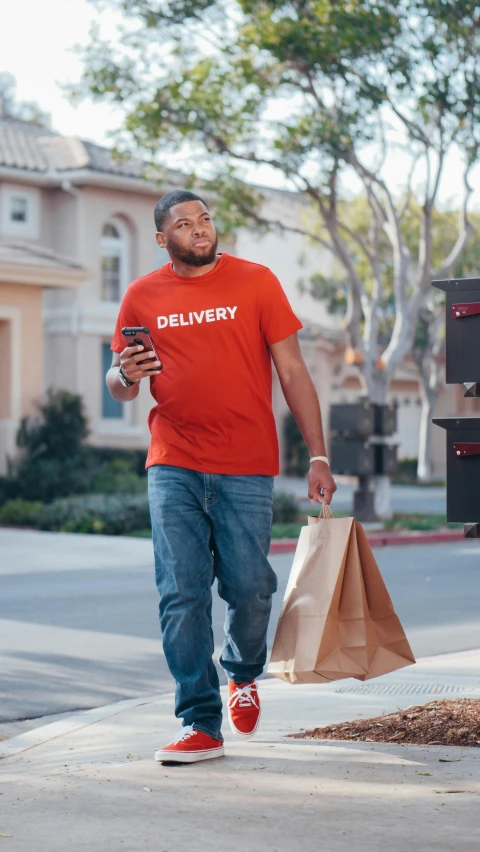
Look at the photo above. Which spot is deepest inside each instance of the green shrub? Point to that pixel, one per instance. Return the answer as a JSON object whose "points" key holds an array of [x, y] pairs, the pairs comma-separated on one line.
{"points": [[8, 489], [20, 513], [97, 513], [406, 470], [117, 477], [99, 457], [59, 429], [291, 530], [285, 508]]}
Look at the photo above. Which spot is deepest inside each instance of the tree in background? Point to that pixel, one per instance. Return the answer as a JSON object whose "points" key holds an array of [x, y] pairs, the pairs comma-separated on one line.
{"points": [[10, 107], [327, 94], [428, 350]]}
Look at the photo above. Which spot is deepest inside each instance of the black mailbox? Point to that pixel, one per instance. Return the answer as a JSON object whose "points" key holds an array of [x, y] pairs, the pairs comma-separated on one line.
{"points": [[352, 457], [463, 468], [385, 456], [462, 329], [385, 419], [352, 419]]}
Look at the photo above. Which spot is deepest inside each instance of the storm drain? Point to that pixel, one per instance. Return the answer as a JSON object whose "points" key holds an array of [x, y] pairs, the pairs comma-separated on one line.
{"points": [[404, 689]]}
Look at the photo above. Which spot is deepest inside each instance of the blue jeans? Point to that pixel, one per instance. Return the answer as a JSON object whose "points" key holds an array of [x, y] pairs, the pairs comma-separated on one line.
{"points": [[208, 526]]}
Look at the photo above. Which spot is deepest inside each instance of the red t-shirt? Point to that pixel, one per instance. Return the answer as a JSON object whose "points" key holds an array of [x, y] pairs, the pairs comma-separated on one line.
{"points": [[213, 409]]}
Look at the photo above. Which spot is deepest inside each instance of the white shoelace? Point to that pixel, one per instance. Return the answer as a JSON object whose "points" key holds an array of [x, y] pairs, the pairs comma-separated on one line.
{"points": [[185, 734], [243, 696]]}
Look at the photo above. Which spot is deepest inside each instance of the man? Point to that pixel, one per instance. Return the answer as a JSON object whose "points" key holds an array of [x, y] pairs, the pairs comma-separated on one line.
{"points": [[217, 322]]}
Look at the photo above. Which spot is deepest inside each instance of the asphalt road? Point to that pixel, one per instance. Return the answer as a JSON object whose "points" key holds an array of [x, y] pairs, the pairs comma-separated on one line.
{"points": [[405, 498], [78, 616]]}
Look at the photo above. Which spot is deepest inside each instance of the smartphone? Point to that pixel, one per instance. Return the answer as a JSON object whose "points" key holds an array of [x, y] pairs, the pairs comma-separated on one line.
{"points": [[140, 336]]}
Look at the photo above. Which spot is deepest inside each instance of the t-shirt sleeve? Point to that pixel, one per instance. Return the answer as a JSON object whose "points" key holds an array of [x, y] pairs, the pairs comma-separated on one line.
{"points": [[277, 319], [126, 316]]}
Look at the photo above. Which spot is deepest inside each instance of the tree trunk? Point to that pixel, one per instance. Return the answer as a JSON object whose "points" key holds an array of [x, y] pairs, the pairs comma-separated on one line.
{"points": [[383, 497], [378, 383], [424, 468]]}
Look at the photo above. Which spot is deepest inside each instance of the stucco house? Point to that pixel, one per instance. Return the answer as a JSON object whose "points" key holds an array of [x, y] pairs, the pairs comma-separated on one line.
{"points": [[76, 226]]}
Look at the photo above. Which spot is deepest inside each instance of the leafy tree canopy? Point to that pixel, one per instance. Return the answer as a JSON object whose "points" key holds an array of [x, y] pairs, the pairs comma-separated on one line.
{"points": [[319, 90]]}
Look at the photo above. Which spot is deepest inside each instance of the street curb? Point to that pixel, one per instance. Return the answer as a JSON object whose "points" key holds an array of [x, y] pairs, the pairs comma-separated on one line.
{"points": [[45, 733], [382, 539], [82, 719]]}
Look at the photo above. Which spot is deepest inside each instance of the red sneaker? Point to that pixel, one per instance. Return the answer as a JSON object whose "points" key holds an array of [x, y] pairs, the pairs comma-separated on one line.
{"points": [[189, 746], [243, 708]]}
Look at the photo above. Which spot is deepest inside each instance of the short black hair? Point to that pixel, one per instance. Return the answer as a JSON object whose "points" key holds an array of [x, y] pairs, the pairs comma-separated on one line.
{"points": [[163, 208]]}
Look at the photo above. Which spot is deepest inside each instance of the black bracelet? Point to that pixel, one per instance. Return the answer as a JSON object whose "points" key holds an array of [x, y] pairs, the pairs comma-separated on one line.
{"points": [[125, 382]]}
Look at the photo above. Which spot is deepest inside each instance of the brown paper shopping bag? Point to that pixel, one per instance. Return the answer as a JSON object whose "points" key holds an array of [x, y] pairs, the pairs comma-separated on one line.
{"points": [[389, 649], [336, 622]]}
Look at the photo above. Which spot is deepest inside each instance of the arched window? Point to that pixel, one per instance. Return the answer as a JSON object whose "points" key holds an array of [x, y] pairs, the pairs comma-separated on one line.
{"points": [[114, 251]]}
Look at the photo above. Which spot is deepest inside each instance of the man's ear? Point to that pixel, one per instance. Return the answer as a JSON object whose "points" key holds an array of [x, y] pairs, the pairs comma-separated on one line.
{"points": [[160, 238]]}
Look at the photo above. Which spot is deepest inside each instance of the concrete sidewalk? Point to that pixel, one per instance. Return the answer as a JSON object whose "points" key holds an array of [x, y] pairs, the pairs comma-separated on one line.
{"points": [[89, 781]]}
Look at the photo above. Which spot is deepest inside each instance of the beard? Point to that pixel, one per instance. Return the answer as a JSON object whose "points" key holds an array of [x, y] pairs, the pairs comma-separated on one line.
{"points": [[201, 257]]}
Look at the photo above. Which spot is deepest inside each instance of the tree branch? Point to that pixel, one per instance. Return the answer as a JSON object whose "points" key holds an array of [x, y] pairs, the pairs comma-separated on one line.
{"points": [[465, 231], [413, 128], [358, 239], [408, 195]]}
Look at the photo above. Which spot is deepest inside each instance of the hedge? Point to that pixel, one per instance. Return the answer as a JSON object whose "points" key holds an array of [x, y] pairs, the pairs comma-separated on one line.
{"points": [[108, 514]]}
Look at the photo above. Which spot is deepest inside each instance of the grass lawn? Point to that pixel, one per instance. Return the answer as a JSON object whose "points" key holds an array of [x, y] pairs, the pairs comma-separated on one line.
{"points": [[400, 521]]}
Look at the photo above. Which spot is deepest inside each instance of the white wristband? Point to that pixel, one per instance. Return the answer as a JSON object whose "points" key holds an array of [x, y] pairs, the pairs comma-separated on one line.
{"points": [[320, 458]]}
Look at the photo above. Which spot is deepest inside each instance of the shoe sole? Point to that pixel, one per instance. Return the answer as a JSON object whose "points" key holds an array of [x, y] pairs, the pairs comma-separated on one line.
{"points": [[189, 756], [238, 733]]}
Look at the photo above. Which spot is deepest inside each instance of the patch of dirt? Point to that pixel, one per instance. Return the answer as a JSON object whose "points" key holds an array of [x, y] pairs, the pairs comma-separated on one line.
{"points": [[454, 722]]}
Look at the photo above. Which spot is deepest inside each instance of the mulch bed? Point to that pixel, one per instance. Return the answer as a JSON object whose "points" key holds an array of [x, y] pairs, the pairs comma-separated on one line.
{"points": [[453, 722]]}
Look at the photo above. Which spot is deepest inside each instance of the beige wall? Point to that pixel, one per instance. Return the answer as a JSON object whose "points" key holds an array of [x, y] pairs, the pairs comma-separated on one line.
{"points": [[21, 340]]}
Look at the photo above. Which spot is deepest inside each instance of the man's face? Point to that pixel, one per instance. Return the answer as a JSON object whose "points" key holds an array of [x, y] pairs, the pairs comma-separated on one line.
{"points": [[189, 234]]}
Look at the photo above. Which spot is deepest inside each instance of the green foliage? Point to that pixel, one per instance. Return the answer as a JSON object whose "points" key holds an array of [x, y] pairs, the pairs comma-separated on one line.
{"points": [[407, 470], [100, 514], [8, 489], [59, 429], [329, 290], [134, 460], [56, 462], [20, 513], [117, 477], [23, 110], [307, 87], [282, 530], [285, 508], [425, 523]]}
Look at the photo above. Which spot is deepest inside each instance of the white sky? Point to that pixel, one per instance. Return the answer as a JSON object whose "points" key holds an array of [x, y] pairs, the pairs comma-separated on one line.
{"points": [[36, 41]]}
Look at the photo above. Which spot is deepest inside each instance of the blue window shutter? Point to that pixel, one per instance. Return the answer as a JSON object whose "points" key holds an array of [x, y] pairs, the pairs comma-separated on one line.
{"points": [[110, 406]]}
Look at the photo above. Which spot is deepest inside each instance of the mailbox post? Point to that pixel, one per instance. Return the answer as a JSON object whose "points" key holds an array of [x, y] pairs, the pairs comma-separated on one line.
{"points": [[358, 448], [462, 302]]}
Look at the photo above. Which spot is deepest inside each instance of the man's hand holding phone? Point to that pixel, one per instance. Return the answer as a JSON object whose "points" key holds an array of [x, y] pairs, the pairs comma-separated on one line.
{"points": [[137, 364]]}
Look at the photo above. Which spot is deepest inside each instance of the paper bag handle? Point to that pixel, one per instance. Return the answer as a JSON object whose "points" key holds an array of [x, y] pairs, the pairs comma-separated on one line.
{"points": [[325, 512]]}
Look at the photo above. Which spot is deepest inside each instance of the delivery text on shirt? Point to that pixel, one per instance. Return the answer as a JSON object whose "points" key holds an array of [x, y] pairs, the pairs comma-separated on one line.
{"points": [[210, 315]]}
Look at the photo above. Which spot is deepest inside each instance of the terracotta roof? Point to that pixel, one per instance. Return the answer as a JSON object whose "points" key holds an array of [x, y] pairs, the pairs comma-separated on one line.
{"points": [[19, 145], [24, 145], [28, 254]]}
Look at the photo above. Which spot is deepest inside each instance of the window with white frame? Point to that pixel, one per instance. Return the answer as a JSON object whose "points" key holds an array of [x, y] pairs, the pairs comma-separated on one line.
{"points": [[111, 408], [18, 208], [19, 211], [114, 267]]}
